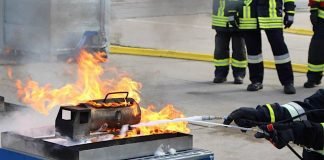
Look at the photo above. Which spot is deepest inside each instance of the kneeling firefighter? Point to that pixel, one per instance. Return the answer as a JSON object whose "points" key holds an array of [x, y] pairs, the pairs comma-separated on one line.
{"points": [[300, 122]]}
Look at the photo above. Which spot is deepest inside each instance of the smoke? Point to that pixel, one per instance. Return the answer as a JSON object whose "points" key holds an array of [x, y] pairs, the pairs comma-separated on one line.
{"points": [[26, 118], [40, 30]]}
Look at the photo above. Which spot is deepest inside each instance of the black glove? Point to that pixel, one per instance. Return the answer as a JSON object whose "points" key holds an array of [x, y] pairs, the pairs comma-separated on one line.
{"points": [[234, 21], [303, 133], [243, 117], [279, 137], [288, 20]]}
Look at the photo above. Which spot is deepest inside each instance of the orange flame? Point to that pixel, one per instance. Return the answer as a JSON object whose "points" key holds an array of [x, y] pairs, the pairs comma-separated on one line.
{"points": [[168, 112], [89, 85], [9, 72]]}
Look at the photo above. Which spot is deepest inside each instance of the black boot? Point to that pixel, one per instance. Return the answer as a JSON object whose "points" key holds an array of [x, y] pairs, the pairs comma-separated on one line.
{"points": [[219, 79], [255, 86], [289, 89], [311, 84], [238, 80]]}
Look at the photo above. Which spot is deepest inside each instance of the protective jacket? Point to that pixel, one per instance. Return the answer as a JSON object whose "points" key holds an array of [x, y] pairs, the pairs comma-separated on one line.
{"points": [[265, 14], [274, 112], [318, 7], [222, 9]]}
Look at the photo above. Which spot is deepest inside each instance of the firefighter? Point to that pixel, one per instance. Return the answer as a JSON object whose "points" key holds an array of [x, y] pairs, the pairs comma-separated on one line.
{"points": [[223, 13], [267, 15], [316, 47], [306, 129]]}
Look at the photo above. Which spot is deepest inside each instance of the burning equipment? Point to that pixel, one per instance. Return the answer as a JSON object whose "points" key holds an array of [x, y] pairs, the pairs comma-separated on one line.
{"points": [[83, 132], [77, 122], [6, 107]]}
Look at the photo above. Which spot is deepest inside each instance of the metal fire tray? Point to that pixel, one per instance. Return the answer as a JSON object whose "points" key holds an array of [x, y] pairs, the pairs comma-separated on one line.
{"points": [[45, 145], [9, 107]]}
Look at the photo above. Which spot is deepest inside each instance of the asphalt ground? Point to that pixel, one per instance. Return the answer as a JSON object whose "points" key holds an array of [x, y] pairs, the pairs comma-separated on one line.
{"points": [[193, 33]]}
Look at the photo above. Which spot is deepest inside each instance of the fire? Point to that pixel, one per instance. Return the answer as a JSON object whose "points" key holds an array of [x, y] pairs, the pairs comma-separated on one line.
{"points": [[89, 85], [168, 112], [9, 72]]}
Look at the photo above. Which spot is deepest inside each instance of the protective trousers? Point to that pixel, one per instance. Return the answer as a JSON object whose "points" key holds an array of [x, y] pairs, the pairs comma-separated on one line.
{"points": [[279, 50], [221, 54], [316, 55]]}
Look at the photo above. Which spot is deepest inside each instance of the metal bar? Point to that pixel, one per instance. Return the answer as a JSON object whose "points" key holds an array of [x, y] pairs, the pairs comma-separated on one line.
{"points": [[213, 124], [186, 119], [102, 23]]}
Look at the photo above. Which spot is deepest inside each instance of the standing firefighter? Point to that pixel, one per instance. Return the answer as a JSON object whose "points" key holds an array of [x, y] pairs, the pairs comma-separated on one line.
{"points": [[225, 24], [300, 122], [267, 15], [316, 47]]}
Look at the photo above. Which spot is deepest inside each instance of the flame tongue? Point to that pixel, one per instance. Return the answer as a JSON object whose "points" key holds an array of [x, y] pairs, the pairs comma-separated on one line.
{"points": [[89, 85]]}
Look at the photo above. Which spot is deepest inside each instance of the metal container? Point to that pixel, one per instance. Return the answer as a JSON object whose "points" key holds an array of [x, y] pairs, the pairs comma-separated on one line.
{"points": [[114, 117], [76, 122]]}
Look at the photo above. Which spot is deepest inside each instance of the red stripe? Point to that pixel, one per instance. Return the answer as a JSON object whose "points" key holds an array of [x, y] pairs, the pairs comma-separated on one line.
{"points": [[270, 127], [311, 3], [322, 4]]}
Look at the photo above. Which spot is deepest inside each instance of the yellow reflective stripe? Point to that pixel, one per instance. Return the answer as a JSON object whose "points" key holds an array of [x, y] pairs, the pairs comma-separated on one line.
{"points": [[291, 12], [248, 20], [321, 13], [221, 8], [219, 21], [316, 68], [247, 2], [239, 64], [272, 115], [289, 1], [221, 62], [313, 9], [270, 19], [270, 26], [248, 23], [272, 8], [270, 22]]}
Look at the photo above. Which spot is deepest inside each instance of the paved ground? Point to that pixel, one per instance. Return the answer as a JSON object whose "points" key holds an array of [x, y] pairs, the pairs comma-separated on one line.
{"points": [[193, 33]]}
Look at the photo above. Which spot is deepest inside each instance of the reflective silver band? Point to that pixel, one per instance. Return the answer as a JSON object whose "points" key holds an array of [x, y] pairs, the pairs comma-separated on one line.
{"points": [[282, 59], [255, 59], [295, 110]]}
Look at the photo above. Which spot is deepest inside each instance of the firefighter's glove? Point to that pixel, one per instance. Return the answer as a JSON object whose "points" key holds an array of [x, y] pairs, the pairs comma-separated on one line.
{"points": [[278, 137], [243, 117], [304, 133], [308, 134], [288, 20], [233, 20]]}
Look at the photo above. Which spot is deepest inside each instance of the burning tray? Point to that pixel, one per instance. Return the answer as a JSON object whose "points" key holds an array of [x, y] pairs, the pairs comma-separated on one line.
{"points": [[48, 146]]}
